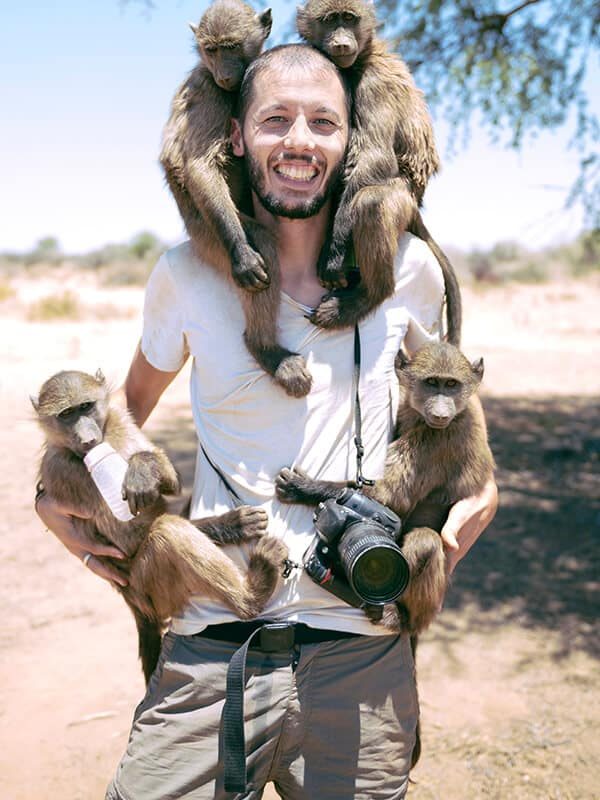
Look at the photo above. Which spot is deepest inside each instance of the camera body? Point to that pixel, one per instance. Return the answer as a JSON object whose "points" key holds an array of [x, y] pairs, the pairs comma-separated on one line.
{"points": [[354, 554]]}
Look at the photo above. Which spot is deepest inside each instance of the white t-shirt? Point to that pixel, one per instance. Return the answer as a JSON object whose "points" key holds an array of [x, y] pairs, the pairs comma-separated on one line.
{"points": [[251, 429]]}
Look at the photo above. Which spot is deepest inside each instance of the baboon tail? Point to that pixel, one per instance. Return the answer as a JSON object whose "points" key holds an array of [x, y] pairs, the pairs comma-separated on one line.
{"points": [[453, 298]]}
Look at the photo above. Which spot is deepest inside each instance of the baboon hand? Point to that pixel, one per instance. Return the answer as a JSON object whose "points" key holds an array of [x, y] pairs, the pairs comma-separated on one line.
{"points": [[249, 270], [331, 269], [291, 485], [141, 485]]}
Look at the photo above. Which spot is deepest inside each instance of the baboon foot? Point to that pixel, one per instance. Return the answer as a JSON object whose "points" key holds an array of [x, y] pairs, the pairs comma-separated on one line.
{"points": [[266, 564], [293, 376], [293, 486], [249, 270], [332, 271], [251, 523], [244, 524]]}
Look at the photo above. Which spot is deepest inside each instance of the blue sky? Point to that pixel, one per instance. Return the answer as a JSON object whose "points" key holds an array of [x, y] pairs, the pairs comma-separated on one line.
{"points": [[85, 90]]}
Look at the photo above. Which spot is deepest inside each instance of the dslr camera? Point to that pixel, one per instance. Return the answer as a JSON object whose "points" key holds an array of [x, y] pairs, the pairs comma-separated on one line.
{"points": [[354, 554]]}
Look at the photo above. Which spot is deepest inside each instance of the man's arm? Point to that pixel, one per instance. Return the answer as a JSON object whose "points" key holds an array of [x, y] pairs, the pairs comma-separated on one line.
{"points": [[143, 388], [467, 520]]}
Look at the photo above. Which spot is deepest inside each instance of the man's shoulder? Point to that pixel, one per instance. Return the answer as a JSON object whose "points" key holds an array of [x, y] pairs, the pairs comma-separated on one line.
{"points": [[415, 261]]}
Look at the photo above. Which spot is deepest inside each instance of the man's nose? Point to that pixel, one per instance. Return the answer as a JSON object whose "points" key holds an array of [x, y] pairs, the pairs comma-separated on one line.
{"points": [[299, 136]]}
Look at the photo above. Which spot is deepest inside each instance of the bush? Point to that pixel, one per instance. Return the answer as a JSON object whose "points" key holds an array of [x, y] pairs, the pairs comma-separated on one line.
{"points": [[55, 307]]}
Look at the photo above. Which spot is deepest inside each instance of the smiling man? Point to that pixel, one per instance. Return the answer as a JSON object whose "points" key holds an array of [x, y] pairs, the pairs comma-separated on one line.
{"points": [[332, 713]]}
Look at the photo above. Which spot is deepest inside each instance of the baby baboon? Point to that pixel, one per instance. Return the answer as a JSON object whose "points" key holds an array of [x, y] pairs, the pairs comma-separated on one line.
{"points": [[169, 558], [391, 156], [439, 455], [207, 181]]}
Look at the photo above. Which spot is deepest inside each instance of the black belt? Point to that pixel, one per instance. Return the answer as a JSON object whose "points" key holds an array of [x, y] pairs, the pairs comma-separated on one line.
{"points": [[274, 636], [270, 637]]}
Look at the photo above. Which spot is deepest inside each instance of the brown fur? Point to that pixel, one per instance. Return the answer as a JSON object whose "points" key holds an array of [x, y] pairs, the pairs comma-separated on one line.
{"points": [[207, 182], [169, 559], [391, 156]]}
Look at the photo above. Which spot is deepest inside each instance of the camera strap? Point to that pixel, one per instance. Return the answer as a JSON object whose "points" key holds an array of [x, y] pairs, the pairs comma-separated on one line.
{"points": [[360, 450]]}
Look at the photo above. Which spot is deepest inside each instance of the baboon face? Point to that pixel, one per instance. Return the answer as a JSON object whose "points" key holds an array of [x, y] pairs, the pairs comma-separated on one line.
{"points": [[229, 36], [72, 408], [340, 28], [439, 381]]}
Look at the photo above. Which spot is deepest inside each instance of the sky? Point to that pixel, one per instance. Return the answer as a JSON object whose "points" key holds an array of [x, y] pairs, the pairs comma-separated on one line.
{"points": [[85, 89]]}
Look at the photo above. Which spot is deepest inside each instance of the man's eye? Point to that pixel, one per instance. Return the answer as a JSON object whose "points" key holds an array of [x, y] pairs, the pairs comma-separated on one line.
{"points": [[276, 120], [324, 122]]}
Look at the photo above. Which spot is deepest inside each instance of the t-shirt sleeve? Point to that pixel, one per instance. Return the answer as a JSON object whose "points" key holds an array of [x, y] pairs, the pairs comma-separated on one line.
{"points": [[163, 340], [420, 283]]}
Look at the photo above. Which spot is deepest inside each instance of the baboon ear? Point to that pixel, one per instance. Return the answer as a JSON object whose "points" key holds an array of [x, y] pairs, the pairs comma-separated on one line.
{"points": [[99, 376], [35, 402], [194, 29], [266, 21], [477, 367]]}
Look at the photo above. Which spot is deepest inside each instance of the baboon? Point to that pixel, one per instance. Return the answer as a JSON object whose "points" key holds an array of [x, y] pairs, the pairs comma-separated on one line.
{"points": [[169, 559], [208, 183], [391, 156], [439, 455]]}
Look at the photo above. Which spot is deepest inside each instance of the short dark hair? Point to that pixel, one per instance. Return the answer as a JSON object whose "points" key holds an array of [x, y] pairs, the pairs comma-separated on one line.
{"points": [[289, 55]]}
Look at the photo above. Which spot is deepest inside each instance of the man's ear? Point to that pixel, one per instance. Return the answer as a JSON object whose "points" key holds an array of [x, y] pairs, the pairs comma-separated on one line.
{"points": [[237, 140]]}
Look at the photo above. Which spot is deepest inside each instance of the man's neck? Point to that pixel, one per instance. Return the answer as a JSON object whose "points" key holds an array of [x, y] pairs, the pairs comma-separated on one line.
{"points": [[299, 242]]}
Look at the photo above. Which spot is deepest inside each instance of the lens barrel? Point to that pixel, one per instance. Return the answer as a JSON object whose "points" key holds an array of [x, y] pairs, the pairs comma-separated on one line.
{"points": [[374, 566]]}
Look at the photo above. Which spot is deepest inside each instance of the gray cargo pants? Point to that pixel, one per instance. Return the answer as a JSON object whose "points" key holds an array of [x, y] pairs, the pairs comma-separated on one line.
{"points": [[333, 721]]}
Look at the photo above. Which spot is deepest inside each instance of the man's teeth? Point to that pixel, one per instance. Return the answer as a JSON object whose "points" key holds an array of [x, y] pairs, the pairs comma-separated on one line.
{"points": [[296, 173]]}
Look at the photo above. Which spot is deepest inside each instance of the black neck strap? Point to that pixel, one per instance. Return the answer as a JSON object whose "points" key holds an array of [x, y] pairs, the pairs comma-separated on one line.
{"points": [[360, 450]]}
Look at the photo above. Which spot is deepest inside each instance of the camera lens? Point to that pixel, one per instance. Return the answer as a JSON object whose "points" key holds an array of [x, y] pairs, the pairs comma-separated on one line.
{"points": [[373, 563]]}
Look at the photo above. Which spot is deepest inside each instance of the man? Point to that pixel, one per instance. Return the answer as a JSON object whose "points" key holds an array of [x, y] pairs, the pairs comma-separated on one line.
{"points": [[334, 715]]}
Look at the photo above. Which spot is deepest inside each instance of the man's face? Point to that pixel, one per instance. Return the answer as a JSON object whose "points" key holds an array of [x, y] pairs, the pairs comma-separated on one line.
{"points": [[294, 139]]}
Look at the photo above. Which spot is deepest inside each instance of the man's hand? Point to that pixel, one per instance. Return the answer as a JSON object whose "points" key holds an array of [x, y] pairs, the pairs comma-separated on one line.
{"points": [[60, 520], [466, 521]]}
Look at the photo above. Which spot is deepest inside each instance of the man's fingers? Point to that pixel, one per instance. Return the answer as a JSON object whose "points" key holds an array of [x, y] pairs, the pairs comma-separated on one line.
{"points": [[98, 549], [449, 539]]}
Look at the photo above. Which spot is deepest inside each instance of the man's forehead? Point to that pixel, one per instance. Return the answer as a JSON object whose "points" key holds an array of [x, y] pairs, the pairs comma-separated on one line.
{"points": [[313, 87]]}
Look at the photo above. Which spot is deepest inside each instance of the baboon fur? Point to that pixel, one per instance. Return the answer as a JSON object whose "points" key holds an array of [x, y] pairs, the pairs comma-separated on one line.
{"points": [[208, 183], [169, 559], [391, 156]]}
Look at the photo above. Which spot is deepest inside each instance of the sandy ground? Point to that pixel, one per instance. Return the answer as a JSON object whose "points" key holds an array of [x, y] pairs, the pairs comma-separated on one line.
{"points": [[508, 673]]}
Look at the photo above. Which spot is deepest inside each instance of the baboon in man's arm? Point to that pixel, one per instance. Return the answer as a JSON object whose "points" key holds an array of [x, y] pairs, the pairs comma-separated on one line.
{"points": [[169, 558], [208, 183], [391, 156], [439, 455]]}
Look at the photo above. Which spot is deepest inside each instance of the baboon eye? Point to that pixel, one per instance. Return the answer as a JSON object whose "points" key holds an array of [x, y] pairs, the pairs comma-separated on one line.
{"points": [[66, 413], [210, 49], [86, 407], [431, 381], [450, 383], [349, 17]]}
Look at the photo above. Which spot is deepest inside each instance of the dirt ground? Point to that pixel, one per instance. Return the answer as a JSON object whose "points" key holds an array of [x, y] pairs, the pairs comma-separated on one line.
{"points": [[508, 674]]}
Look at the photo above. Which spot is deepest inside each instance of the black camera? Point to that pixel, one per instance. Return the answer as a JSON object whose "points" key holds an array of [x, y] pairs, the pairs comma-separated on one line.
{"points": [[354, 554]]}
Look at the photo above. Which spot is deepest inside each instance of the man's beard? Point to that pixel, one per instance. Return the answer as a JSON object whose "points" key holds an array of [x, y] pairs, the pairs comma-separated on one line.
{"points": [[290, 209]]}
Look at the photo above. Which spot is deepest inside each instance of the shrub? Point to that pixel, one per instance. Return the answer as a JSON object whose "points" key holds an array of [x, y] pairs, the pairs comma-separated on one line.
{"points": [[55, 307]]}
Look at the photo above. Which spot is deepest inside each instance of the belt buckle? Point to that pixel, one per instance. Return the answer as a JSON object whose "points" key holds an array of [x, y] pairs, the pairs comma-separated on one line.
{"points": [[277, 636]]}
